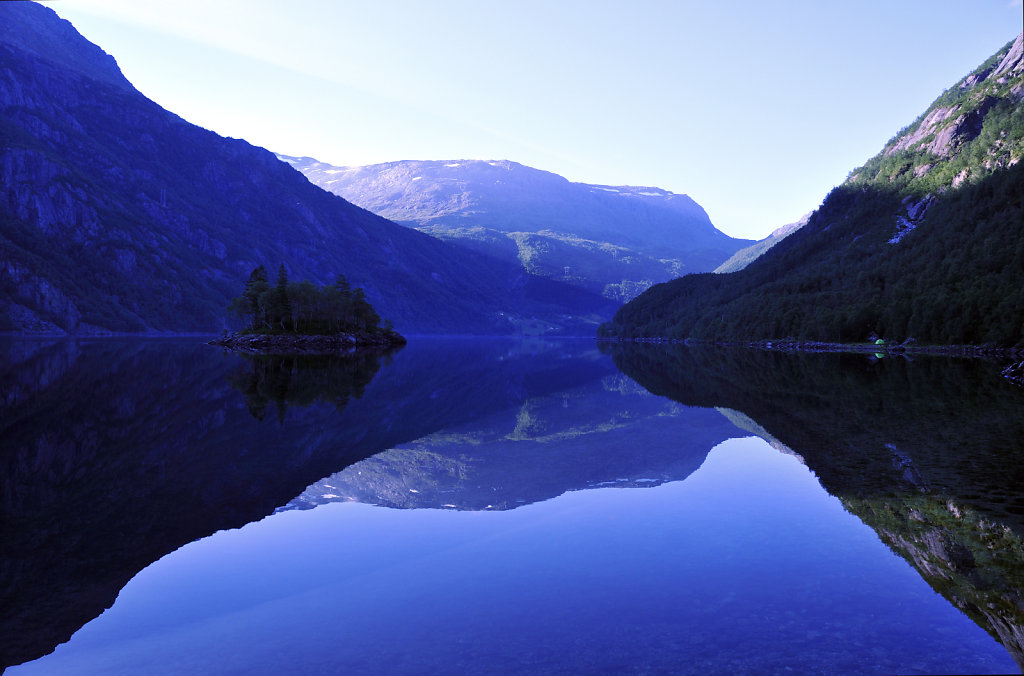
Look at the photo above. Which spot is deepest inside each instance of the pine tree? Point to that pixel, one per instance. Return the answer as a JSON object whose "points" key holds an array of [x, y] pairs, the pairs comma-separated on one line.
{"points": [[247, 306], [282, 304], [343, 286]]}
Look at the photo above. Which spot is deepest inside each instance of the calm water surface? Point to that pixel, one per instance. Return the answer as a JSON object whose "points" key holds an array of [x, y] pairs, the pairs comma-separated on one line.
{"points": [[504, 507]]}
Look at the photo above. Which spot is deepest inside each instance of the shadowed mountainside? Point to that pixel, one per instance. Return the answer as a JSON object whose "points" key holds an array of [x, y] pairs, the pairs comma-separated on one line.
{"points": [[117, 215]]}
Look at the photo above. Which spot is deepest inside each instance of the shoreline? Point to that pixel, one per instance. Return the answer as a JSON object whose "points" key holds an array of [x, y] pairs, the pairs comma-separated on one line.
{"points": [[977, 351], [288, 344]]}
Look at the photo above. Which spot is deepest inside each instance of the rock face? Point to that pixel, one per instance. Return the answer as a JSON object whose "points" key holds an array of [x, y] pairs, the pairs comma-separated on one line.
{"points": [[957, 117], [612, 240], [923, 241], [116, 215]]}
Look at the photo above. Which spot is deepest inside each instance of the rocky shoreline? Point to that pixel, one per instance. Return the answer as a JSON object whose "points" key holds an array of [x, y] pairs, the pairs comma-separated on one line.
{"points": [[1014, 372], [815, 346], [341, 343]]}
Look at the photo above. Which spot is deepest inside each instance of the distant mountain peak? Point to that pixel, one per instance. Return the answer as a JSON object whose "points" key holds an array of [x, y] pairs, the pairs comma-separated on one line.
{"points": [[745, 257], [611, 240]]}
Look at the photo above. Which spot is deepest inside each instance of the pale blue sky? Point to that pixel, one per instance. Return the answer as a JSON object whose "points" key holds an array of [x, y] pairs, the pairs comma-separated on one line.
{"points": [[754, 109]]}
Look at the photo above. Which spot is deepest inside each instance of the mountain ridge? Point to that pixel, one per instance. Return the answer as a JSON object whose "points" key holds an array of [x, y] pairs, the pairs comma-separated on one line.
{"points": [[612, 240]]}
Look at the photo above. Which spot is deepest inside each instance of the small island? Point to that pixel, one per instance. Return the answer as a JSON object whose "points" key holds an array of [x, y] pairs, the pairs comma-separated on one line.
{"points": [[303, 318]]}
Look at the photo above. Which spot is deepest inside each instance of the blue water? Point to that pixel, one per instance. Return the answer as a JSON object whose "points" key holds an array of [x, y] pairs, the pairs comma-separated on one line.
{"points": [[506, 507], [746, 566]]}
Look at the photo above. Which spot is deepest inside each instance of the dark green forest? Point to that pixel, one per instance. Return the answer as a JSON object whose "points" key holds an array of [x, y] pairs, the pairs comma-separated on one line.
{"points": [[303, 307], [958, 278]]}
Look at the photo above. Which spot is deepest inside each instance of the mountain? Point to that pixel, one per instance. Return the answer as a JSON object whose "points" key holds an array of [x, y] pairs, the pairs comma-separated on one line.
{"points": [[745, 257], [924, 241], [611, 240], [117, 215]]}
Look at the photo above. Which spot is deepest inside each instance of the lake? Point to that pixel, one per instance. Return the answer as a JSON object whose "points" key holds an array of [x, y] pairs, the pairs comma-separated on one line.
{"points": [[497, 506]]}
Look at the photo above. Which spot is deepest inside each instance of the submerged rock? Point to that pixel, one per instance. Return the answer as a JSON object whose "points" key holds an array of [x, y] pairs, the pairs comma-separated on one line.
{"points": [[1015, 373]]}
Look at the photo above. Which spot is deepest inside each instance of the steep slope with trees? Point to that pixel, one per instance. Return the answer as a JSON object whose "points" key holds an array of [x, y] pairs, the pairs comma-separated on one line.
{"points": [[924, 241], [611, 240], [116, 215], [745, 257]]}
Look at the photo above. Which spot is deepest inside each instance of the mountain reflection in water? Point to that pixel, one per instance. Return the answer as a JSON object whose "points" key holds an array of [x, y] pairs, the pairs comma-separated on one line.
{"points": [[117, 452], [160, 443], [929, 453]]}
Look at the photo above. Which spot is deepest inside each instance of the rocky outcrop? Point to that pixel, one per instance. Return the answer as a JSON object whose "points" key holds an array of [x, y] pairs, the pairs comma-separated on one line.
{"points": [[947, 127], [48, 308], [1013, 62], [915, 211]]}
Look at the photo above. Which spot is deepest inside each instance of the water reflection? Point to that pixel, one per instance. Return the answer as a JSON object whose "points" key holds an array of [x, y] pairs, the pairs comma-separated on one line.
{"points": [[748, 566], [929, 453], [115, 453], [607, 432], [304, 380]]}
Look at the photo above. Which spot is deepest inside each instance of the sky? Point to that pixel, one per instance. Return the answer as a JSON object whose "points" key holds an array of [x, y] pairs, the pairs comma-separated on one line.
{"points": [[755, 109]]}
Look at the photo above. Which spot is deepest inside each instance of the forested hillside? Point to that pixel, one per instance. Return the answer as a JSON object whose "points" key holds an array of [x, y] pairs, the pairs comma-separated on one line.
{"points": [[924, 241]]}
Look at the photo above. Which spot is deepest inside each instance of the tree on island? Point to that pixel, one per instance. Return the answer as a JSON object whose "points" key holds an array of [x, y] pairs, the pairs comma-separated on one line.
{"points": [[303, 307]]}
